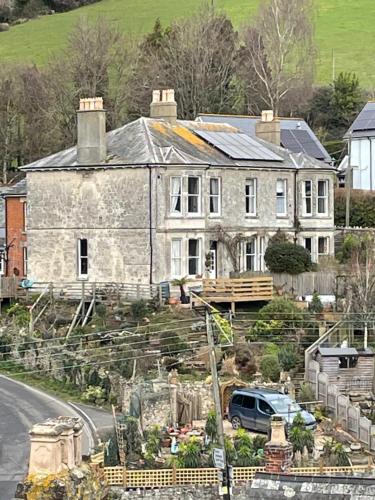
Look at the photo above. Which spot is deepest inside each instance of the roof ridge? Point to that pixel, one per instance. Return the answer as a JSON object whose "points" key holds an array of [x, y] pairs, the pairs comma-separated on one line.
{"points": [[149, 141], [252, 116]]}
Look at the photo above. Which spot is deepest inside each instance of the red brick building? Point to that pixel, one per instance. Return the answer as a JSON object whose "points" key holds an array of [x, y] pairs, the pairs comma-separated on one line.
{"points": [[15, 231]]}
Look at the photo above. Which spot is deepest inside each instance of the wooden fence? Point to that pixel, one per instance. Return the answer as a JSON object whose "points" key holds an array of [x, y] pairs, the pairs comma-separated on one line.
{"points": [[159, 478]]}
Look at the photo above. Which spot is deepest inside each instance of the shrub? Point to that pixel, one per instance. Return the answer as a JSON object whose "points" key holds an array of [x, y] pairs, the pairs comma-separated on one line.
{"points": [[299, 436], [287, 258], [306, 393], [270, 348], [20, 314], [139, 309], [153, 443], [270, 367], [362, 208], [111, 457], [316, 305], [94, 394], [334, 454], [288, 357], [244, 359], [189, 454], [210, 428], [171, 343]]}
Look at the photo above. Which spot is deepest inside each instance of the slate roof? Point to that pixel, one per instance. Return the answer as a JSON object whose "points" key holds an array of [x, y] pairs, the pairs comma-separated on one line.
{"points": [[247, 125], [148, 141], [364, 124], [18, 189], [276, 486]]}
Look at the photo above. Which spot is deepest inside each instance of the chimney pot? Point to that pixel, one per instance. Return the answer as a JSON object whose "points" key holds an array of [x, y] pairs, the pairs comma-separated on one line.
{"points": [[91, 104], [164, 106], [267, 115]]}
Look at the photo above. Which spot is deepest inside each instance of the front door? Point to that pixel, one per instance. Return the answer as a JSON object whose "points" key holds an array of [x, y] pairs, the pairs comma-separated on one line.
{"points": [[213, 260]]}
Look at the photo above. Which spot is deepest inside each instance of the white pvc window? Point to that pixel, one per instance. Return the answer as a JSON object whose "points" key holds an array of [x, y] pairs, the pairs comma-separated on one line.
{"points": [[194, 259], [322, 197], [262, 246], [250, 255], [176, 258], [307, 197], [176, 195], [251, 196], [281, 197], [194, 195], [24, 261], [83, 258], [215, 204]]}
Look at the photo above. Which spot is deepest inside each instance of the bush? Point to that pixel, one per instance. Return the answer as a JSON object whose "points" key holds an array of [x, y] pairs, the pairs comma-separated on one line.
{"points": [[299, 436], [244, 359], [171, 343], [20, 314], [288, 357], [139, 309], [211, 428], [189, 454], [287, 258], [316, 305], [362, 208], [306, 393], [94, 394], [270, 367]]}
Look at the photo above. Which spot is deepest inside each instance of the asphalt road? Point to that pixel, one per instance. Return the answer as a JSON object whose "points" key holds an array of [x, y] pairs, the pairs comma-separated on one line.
{"points": [[21, 407]]}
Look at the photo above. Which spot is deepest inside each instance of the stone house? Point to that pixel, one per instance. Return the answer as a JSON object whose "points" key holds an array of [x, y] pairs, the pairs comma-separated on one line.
{"points": [[142, 203]]}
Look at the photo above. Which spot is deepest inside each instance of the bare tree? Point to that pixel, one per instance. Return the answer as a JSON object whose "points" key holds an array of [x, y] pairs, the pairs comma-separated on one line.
{"points": [[361, 290], [279, 49]]}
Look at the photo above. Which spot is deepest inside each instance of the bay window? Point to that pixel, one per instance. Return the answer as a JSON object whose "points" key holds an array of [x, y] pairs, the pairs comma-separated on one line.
{"points": [[322, 197]]}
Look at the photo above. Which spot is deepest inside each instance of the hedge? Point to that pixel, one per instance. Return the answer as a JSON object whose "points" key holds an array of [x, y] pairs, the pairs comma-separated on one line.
{"points": [[287, 258], [362, 208]]}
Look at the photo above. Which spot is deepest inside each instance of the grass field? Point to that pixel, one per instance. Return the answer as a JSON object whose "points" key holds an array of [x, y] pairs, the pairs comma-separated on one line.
{"points": [[343, 26]]}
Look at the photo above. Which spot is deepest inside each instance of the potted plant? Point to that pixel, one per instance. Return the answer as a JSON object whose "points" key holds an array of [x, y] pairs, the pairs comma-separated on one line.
{"points": [[181, 282]]}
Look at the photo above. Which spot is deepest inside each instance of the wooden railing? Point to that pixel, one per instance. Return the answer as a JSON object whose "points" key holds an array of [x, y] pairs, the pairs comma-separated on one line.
{"points": [[153, 478], [238, 289], [8, 287]]}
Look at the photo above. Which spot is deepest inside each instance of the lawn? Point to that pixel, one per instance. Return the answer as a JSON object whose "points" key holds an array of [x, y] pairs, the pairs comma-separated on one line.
{"points": [[342, 26]]}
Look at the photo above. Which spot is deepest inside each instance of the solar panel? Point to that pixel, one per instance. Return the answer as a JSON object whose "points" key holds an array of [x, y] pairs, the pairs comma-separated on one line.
{"points": [[301, 141], [238, 146], [365, 119]]}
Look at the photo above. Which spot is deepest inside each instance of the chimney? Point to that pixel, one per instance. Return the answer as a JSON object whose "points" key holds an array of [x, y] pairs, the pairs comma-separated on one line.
{"points": [[91, 132], [268, 128], [164, 106], [278, 451]]}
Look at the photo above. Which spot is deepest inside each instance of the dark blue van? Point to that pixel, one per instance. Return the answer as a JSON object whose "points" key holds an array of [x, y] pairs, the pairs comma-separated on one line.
{"points": [[253, 408]]}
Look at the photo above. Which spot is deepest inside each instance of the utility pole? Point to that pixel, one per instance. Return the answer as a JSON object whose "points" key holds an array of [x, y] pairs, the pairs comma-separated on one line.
{"points": [[348, 182], [216, 394]]}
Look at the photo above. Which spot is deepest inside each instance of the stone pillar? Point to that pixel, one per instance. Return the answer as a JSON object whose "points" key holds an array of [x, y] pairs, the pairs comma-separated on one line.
{"points": [[78, 445], [278, 451], [71, 439], [173, 396], [45, 452]]}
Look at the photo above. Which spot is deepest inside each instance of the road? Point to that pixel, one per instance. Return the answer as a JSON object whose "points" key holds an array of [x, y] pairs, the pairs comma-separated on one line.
{"points": [[21, 407]]}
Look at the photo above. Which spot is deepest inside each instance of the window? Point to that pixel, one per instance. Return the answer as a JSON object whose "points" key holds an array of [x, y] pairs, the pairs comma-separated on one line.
{"points": [[322, 197], [348, 361], [193, 195], [176, 268], [24, 216], [265, 407], [25, 261], [250, 255], [215, 195], [251, 196], [194, 264], [248, 402], [262, 244], [83, 260], [281, 197], [237, 399], [307, 198], [308, 244], [322, 245], [175, 193], [2, 262]]}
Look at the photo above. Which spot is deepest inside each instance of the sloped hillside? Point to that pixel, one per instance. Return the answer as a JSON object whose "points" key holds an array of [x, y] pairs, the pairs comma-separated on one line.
{"points": [[344, 28]]}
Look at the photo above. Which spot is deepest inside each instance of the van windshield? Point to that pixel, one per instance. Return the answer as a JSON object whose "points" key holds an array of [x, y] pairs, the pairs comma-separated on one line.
{"points": [[285, 405]]}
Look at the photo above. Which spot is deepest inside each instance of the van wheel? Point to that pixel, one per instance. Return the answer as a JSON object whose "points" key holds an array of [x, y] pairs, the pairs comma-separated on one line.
{"points": [[236, 423]]}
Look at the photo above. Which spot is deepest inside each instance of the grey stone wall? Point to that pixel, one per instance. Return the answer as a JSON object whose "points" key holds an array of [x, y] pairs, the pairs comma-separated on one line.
{"points": [[182, 492]]}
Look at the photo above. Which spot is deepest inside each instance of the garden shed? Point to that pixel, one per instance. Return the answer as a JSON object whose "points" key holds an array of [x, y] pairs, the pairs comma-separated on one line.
{"points": [[347, 367]]}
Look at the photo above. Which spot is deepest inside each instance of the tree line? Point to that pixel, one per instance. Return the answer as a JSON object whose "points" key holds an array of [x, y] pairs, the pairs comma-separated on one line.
{"points": [[269, 63]]}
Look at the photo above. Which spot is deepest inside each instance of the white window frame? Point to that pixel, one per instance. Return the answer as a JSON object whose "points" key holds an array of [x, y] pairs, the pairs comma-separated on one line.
{"points": [[197, 196], [252, 255], [284, 197], [251, 196], [323, 197], [176, 260], [173, 196], [326, 238], [306, 197], [24, 257], [80, 258], [2, 263], [215, 196], [198, 258]]}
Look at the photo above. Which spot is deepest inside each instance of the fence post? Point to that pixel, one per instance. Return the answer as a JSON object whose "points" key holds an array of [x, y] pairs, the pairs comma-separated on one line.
{"points": [[118, 294], [161, 295], [174, 475], [51, 292], [124, 477], [138, 291], [83, 302]]}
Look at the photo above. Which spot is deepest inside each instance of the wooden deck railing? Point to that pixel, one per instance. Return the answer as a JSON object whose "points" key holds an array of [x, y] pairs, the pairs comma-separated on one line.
{"points": [[159, 478], [238, 289]]}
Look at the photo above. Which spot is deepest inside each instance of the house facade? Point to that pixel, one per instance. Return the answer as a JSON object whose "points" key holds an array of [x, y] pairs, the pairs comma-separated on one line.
{"points": [[148, 202]]}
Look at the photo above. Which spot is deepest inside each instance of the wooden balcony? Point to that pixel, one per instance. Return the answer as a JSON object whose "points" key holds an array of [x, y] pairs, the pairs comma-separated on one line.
{"points": [[238, 290]]}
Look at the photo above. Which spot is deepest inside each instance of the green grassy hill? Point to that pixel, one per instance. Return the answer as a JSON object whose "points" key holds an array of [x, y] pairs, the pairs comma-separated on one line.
{"points": [[343, 26]]}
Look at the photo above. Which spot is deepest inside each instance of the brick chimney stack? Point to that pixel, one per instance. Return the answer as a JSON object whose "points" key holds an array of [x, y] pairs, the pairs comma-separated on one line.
{"points": [[164, 106], [91, 132], [268, 128], [278, 451]]}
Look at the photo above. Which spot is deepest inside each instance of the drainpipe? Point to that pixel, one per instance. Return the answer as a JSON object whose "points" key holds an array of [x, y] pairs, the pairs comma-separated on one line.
{"points": [[295, 207], [150, 221]]}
